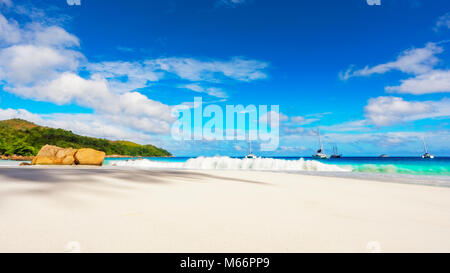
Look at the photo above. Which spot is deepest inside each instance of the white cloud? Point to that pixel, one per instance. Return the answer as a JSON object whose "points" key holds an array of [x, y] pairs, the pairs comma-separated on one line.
{"points": [[35, 33], [384, 111], [443, 21], [212, 91], [300, 120], [9, 31], [139, 74], [53, 36], [130, 108], [211, 70], [420, 62], [124, 76], [25, 64], [193, 87], [65, 89], [19, 113], [432, 82], [411, 61]]}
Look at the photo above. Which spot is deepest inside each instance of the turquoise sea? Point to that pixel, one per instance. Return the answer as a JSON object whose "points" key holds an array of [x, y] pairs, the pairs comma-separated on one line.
{"points": [[389, 165]]}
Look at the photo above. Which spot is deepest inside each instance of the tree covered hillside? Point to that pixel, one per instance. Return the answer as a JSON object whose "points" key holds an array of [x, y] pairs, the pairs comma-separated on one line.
{"points": [[20, 137]]}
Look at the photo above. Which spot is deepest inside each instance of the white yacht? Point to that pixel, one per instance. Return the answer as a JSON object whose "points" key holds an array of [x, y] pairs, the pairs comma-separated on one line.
{"points": [[320, 154], [426, 154], [250, 154]]}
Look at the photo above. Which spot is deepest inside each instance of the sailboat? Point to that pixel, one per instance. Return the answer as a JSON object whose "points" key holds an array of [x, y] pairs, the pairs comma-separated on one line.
{"points": [[250, 154], [319, 154], [335, 153], [426, 155]]}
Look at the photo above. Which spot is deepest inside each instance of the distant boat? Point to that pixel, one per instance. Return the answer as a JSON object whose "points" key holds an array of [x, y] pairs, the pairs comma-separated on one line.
{"points": [[335, 153], [426, 155], [384, 155], [319, 154], [250, 154]]}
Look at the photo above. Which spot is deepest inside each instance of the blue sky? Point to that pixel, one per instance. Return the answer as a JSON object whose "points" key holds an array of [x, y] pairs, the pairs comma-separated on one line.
{"points": [[374, 79]]}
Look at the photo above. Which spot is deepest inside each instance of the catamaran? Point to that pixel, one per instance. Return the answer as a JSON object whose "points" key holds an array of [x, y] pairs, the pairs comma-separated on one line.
{"points": [[250, 154], [426, 154], [319, 154], [335, 153]]}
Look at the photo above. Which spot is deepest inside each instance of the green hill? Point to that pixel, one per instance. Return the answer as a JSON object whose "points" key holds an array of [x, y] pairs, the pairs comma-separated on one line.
{"points": [[21, 137]]}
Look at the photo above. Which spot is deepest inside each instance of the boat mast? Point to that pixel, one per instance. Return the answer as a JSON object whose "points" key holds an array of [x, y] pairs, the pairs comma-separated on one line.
{"points": [[320, 141], [424, 145]]}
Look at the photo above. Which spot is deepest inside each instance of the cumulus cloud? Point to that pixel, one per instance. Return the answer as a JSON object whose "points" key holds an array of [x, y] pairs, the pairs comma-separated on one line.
{"points": [[384, 111], [43, 62], [25, 64], [411, 61], [436, 81], [131, 108]]}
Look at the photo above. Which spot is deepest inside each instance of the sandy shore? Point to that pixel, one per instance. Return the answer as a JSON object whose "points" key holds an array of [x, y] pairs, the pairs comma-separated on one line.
{"points": [[113, 210]]}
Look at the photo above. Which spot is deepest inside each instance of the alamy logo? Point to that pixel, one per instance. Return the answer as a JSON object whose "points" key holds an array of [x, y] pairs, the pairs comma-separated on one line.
{"points": [[374, 2], [74, 2]]}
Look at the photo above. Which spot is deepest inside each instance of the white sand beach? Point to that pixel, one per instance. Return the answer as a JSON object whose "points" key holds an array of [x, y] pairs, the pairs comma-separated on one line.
{"points": [[61, 209]]}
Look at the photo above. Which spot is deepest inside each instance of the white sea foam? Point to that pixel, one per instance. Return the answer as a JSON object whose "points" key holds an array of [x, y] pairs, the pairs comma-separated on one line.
{"points": [[227, 163]]}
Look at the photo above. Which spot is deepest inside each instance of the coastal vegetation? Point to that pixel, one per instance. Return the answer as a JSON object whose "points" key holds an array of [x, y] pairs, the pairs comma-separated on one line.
{"points": [[23, 138]]}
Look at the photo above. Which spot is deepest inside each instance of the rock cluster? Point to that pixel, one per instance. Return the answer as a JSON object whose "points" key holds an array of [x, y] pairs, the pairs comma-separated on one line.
{"points": [[53, 155]]}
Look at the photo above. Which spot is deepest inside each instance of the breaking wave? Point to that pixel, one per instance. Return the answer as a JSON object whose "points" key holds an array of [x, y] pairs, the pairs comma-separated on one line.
{"points": [[227, 163]]}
